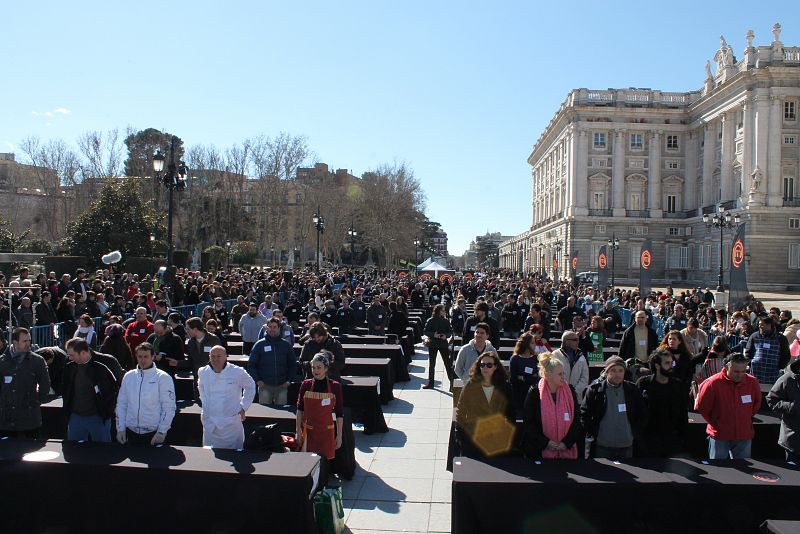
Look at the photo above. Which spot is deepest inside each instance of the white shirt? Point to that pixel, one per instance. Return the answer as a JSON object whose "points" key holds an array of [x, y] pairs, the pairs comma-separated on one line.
{"points": [[146, 401], [221, 394]]}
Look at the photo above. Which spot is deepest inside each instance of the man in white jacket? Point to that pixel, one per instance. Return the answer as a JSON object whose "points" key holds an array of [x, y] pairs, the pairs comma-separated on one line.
{"points": [[226, 391], [576, 367], [146, 402]]}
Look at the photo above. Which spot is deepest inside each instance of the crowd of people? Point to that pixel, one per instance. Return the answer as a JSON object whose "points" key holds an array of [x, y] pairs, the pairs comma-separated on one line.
{"points": [[126, 340]]}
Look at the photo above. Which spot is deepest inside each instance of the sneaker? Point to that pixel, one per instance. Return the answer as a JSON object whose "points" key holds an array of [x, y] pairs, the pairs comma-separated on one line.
{"points": [[429, 385]]}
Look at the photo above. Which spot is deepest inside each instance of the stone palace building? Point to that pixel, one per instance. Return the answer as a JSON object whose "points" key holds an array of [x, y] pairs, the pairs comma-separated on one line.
{"points": [[641, 163]]}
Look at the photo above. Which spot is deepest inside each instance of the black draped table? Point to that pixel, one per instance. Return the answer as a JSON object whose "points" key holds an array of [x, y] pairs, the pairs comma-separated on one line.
{"points": [[516, 495], [361, 395], [393, 352], [187, 428], [90, 488], [381, 368]]}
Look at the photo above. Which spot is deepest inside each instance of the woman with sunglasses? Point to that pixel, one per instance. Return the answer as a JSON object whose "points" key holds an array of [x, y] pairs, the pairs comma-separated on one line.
{"points": [[486, 394]]}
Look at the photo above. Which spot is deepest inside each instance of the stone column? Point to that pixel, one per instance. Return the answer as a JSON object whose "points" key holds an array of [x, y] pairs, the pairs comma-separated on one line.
{"points": [[761, 134], [726, 162], [689, 198], [618, 174], [747, 147], [774, 176], [654, 176], [581, 176], [709, 147]]}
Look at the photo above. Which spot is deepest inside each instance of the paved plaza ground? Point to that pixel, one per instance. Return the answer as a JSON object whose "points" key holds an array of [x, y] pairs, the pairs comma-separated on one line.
{"points": [[401, 484]]}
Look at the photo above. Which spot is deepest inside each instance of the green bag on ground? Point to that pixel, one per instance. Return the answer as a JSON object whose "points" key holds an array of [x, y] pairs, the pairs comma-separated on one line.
{"points": [[329, 511]]}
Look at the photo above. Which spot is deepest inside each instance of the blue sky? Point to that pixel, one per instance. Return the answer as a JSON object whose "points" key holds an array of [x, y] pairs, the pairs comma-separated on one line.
{"points": [[458, 90]]}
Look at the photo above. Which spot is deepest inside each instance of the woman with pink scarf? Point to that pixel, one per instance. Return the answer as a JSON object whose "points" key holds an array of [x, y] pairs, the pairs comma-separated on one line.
{"points": [[551, 422]]}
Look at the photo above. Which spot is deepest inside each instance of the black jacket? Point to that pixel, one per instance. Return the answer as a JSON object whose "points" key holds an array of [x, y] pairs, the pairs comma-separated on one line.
{"points": [[627, 346], [105, 388], [594, 408], [533, 439], [668, 417], [311, 347], [45, 314], [24, 386], [784, 399], [437, 325]]}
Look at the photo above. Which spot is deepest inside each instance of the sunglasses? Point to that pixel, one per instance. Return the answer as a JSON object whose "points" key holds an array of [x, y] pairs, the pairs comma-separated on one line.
{"points": [[487, 365]]}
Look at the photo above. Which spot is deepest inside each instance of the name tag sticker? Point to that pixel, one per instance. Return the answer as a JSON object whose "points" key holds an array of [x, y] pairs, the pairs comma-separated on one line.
{"points": [[746, 399], [267, 348], [622, 408], [8, 379], [529, 370], [471, 328], [206, 349], [642, 342], [287, 333], [326, 402], [380, 317], [142, 330], [97, 390], [765, 345], [566, 416]]}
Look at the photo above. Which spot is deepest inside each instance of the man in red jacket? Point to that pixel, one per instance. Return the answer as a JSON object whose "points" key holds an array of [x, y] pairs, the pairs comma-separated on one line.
{"points": [[139, 330], [728, 401]]}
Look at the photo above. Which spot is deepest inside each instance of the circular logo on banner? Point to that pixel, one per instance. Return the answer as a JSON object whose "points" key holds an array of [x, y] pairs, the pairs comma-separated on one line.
{"points": [[737, 253], [446, 278], [575, 263], [646, 259], [602, 261], [425, 276], [402, 274]]}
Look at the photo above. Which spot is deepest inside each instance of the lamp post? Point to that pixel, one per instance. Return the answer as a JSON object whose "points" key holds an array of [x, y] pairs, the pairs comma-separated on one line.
{"points": [[319, 224], [351, 232], [557, 266], [613, 246], [272, 255], [174, 179], [416, 253], [722, 220], [227, 253]]}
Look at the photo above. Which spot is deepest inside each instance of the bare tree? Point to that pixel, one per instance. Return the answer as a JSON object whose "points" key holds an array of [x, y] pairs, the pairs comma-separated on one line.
{"points": [[55, 167]]}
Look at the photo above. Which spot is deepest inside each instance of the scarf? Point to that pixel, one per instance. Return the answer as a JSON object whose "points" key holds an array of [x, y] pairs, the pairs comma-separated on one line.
{"points": [[557, 417]]}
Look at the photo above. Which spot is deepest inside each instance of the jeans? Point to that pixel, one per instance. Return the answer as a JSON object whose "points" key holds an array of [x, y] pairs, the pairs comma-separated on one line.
{"points": [[723, 449], [81, 427], [273, 395], [448, 363], [613, 453]]}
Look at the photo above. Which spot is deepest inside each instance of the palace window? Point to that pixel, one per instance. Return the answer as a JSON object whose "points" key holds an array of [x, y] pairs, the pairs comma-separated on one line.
{"points": [[636, 141], [789, 112], [672, 142], [599, 140]]}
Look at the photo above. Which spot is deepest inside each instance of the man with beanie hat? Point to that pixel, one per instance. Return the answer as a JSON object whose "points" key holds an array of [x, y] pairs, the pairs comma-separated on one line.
{"points": [[613, 413]]}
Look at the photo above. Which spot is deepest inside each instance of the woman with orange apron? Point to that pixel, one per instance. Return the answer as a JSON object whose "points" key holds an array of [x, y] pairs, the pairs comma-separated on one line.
{"points": [[320, 403]]}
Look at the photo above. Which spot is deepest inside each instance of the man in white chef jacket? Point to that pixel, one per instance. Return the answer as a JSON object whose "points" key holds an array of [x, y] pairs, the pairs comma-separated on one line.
{"points": [[226, 391]]}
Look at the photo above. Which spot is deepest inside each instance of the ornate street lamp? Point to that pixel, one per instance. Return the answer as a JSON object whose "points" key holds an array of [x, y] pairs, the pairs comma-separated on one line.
{"points": [[351, 232], [722, 220], [319, 224], [613, 246], [174, 179]]}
